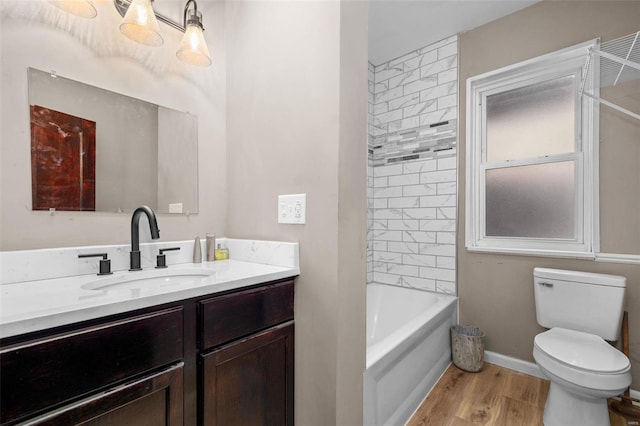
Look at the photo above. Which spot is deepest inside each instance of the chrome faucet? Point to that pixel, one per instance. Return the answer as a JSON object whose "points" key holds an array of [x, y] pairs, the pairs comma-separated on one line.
{"points": [[134, 256]]}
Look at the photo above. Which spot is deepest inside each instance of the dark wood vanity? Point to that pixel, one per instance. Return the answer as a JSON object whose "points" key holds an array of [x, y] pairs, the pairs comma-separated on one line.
{"points": [[220, 359]]}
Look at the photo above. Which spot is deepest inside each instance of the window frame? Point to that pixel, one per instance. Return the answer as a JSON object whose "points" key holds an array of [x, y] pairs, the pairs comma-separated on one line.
{"points": [[569, 61]]}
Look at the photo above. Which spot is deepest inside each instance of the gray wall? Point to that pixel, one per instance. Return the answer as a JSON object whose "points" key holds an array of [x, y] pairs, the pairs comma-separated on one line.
{"points": [[496, 291], [296, 120]]}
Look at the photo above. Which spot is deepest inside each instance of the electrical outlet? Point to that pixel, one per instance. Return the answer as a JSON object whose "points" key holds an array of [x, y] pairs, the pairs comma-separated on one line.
{"points": [[292, 208]]}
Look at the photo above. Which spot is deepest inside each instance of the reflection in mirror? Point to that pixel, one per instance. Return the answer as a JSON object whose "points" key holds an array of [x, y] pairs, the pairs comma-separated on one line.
{"points": [[96, 150]]}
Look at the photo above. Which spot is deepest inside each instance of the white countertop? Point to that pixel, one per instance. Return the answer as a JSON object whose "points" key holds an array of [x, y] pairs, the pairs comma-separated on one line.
{"points": [[40, 304]]}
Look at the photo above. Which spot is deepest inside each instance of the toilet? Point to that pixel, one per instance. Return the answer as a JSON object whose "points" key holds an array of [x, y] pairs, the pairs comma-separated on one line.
{"points": [[582, 311]]}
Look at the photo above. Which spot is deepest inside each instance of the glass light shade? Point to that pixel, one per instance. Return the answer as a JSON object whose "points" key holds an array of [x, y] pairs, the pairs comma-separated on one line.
{"points": [[193, 47], [81, 8], [140, 24]]}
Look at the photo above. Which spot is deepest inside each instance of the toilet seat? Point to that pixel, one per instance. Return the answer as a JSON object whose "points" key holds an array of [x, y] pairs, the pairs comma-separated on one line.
{"points": [[583, 359]]}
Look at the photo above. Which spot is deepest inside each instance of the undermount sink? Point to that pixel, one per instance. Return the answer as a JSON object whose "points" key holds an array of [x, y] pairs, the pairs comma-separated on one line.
{"points": [[149, 279]]}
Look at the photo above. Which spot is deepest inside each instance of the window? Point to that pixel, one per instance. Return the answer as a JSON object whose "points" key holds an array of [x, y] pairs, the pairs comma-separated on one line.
{"points": [[532, 157]]}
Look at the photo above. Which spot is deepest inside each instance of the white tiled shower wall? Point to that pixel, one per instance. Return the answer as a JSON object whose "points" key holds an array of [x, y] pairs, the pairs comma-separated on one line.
{"points": [[412, 192]]}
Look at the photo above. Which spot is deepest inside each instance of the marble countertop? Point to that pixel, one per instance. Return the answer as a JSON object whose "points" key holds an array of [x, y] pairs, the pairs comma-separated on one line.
{"points": [[29, 306]]}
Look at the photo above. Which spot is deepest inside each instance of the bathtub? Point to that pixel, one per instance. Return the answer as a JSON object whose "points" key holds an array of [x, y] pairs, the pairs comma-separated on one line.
{"points": [[408, 349]]}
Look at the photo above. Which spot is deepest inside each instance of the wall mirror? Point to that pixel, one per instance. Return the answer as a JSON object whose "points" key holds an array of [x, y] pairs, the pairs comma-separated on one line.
{"points": [[96, 150]]}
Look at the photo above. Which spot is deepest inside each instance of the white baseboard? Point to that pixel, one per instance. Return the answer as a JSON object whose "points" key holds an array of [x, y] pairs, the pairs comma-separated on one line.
{"points": [[526, 367]]}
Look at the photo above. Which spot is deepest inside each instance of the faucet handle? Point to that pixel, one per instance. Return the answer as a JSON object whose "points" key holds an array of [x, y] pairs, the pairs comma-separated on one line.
{"points": [[161, 259], [105, 264]]}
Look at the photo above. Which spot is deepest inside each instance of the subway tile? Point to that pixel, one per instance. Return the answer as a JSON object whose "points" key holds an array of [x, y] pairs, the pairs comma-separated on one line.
{"points": [[387, 235], [383, 278], [446, 213], [419, 283], [438, 176], [396, 92], [438, 249], [437, 116], [404, 202], [423, 189], [403, 225], [448, 101], [448, 50], [377, 131], [380, 108], [384, 256], [379, 266], [404, 179], [419, 213], [444, 262], [438, 225], [422, 59], [447, 163], [380, 87], [419, 237], [410, 270], [420, 108], [394, 169], [405, 123], [437, 67], [448, 75], [445, 287], [388, 71], [404, 78], [402, 247], [380, 182], [387, 213], [379, 225], [421, 84], [438, 274], [419, 166], [446, 238], [378, 245], [404, 101], [438, 91], [402, 59], [419, 260], [387, 117], [447, 188], [434, 201], [390, 191]]}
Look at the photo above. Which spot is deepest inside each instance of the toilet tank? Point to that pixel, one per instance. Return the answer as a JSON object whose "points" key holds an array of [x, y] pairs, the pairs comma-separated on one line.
{"points": [[582, 301]]}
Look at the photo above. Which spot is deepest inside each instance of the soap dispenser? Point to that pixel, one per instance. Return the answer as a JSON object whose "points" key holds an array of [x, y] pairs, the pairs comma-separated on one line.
{"points": [[197, 251]]}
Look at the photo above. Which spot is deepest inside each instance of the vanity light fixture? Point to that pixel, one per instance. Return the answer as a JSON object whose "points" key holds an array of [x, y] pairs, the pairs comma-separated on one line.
{"points": [[193, 47], [140, 24], [81, 8]]}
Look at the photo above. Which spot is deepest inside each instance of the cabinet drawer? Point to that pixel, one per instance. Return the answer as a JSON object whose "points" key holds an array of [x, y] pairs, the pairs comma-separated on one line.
{"points": [[232, 316], [45, 373]]}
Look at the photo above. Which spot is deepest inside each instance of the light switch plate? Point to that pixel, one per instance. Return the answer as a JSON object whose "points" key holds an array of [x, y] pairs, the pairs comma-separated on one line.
{"points": [[292, 208]]}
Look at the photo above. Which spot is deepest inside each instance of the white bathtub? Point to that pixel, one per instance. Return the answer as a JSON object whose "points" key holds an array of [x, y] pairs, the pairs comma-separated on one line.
{"points": [[408, 349]]}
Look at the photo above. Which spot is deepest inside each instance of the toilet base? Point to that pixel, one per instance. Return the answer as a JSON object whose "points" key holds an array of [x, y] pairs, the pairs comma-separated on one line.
{"points": [[564, 408]]}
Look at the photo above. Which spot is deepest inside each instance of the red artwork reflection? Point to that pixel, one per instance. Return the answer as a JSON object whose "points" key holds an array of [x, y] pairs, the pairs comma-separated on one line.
{"points": [[63, 161]]}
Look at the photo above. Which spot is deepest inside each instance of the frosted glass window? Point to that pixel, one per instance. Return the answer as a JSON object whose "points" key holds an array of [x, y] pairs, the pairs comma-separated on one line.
{"points": [[535, 201], [531, 121]]}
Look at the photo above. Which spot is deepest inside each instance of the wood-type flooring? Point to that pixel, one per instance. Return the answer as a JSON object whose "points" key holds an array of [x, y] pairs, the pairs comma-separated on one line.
{"points": [[495, 396]]}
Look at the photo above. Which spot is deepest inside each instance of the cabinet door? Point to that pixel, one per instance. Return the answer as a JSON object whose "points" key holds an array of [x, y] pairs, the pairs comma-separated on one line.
{"points": [[250, 381], [154, 400]]}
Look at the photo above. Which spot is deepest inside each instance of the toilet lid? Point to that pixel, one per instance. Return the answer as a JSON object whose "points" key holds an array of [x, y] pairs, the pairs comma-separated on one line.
{"points": [[582, 351]]}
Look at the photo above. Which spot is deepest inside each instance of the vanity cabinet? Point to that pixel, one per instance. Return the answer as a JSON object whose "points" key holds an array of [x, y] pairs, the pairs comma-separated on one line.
{"points": [[209, 360], [246, 367]]}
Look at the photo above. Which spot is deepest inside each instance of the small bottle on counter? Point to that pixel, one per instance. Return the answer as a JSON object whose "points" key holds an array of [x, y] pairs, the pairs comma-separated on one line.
{"points": [[197, 250], [211, 247], [222, 253]]}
